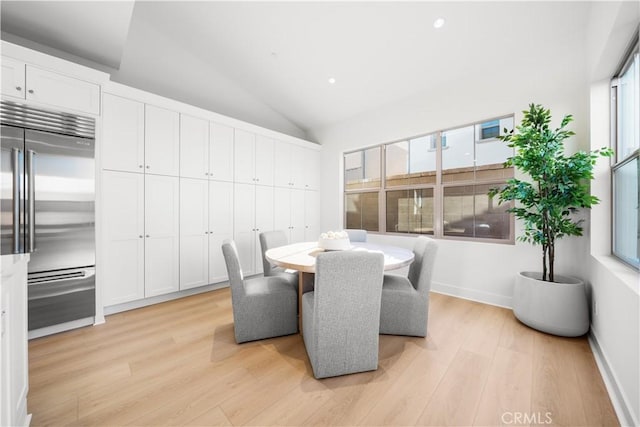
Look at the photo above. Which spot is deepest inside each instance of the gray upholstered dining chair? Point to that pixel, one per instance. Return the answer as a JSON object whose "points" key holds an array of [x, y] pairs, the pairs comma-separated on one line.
{"points": [[341, 316], [357, 235], [275, 239], [405, 300], [263, 307]]}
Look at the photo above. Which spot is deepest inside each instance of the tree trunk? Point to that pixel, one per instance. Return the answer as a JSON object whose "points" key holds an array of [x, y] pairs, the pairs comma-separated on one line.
{"points": [[552, 256]]}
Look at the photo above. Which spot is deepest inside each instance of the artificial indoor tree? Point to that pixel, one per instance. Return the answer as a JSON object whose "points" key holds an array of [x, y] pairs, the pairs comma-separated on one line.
{"points": [[556, 187]]}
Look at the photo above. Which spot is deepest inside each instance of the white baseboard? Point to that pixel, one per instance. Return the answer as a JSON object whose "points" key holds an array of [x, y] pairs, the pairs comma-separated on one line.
{"points": [[617, 396], [132, 305], [472, 294]]}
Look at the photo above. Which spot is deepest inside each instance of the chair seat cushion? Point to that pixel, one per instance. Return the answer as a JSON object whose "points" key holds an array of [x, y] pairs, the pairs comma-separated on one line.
{"points": [[395, 283], [268, 285]]}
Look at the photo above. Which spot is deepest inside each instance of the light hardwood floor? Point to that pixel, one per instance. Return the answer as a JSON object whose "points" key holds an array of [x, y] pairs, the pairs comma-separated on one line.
{"points": [[177, 364]]}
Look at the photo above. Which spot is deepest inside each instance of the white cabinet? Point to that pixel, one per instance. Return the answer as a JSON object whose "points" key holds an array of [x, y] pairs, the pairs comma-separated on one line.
{"points": [[291, 166], [194, 233], [221, 152], [220, 227], [162, 240], [254, 158], [289, 209], [13, 77], [312, 167], [162, 141], [253, 214], [123, 134], [123, 228], [62, 91], [47, 87], [14, 359], [194, 147], [311, 215]]}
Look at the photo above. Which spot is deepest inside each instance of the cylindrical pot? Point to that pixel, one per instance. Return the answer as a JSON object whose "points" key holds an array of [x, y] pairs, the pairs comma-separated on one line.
{"points": [[558, 308]]}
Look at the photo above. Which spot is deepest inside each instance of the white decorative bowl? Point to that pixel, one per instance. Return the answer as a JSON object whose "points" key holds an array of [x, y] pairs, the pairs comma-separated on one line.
{"points": [[334, 244]]}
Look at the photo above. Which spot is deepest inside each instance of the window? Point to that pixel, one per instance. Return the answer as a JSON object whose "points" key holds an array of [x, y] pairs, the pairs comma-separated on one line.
{"points": [[626, 130], [435, 184]]}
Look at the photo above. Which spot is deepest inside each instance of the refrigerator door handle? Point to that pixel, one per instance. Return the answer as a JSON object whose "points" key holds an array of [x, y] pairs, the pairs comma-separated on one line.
{"points": [[31, 202], [15, 159]]}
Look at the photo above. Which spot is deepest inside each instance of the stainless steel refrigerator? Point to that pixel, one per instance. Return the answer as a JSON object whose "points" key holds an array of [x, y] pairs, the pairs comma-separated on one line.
{"points": [[48, 208]]}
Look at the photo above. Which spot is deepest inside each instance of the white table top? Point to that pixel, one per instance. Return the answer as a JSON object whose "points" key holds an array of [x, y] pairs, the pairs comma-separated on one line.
{"points": [[302, 256]]}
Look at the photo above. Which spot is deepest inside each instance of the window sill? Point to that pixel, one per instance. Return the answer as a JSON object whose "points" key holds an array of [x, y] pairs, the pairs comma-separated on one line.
{"points": [[620, 270]]}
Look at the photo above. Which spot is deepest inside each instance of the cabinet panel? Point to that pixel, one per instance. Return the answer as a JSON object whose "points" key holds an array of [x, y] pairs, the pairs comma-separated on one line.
{"points": [[123, 134], [298, 165], [282, 210], [297, 216], [282, 165], [221, 152], [311, 215], [194, 147], [162, 248], [264, 160], [244, 157], [312, 166], [220, 227], [264, 219], [194, 233], [56, 89], [123, 227], [162, 141], [244, 229], [13, 75]]}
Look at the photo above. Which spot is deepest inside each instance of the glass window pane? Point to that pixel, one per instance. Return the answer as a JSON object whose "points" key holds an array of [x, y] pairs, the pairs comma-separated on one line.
{"points": [[494, 152], [410, 211], [362, 169], [470, 212], [626, 240], [457, 154], [629, 110], [411, 162], [362, 211]]}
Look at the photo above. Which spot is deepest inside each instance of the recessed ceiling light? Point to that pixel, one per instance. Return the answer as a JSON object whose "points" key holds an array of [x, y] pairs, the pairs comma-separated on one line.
{"points": [[332, 80], [438, 23]]}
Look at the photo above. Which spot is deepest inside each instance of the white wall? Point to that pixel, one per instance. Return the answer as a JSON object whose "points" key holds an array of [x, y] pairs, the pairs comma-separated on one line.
{"points": [[614, 287], [485, 271], [480, 271]]}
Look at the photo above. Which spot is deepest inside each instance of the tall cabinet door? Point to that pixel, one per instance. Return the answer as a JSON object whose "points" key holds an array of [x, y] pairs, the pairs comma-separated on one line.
{"points": [[264, 219], [244, 157], [282, 165], [220, 227], [162, 141], [123, 227], [162, 242], [282, 210], [297, 216], [244, 229], [264, 164], [194, 147], [194, 233], [220, 152], [123, 134], [311, 215]]}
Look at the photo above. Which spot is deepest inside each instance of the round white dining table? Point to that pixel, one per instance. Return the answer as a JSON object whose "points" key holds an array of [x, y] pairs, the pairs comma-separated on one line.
{"points": [[302, 257]]}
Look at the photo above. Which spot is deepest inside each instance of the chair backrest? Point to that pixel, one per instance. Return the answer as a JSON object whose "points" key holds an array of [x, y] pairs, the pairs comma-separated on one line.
{"points": [[348, 291], [421, 269], [234, 270], [269, 240], [357, 235]]}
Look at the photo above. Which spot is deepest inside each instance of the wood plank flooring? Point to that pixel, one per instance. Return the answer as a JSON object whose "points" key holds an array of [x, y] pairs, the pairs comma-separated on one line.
{"points": [[177, 364]]}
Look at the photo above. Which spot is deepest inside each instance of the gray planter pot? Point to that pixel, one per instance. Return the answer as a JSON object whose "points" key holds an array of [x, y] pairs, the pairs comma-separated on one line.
{"points": [[558, 308]]}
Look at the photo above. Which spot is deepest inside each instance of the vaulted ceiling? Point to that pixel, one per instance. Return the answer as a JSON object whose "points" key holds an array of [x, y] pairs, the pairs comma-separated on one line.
{"points": [[270, 62]]}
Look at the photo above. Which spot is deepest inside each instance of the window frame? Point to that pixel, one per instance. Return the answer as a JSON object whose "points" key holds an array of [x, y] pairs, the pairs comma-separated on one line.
{"points": [[619, 162], [437, 187]]}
